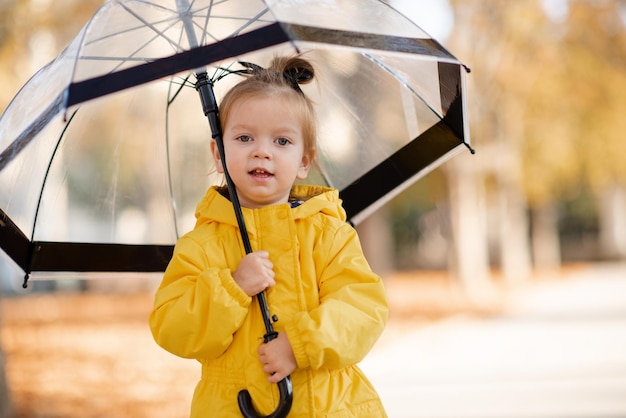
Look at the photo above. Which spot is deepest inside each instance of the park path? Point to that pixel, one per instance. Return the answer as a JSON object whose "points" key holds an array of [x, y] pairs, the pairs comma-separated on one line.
{"points": [[557, 349]]}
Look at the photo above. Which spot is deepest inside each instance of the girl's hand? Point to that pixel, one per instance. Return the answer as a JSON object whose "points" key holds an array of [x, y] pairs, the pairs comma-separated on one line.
{"points": [[277, 358], [255, 273]]}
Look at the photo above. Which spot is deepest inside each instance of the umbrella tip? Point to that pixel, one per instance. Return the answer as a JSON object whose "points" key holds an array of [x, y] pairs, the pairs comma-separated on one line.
{"points": [[25, 283], [469, 147]]}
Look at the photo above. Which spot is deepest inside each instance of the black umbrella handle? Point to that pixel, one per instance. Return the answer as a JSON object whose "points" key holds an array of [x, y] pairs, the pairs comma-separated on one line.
{"points": [[284, 405], [204, 85], [284, 386]]}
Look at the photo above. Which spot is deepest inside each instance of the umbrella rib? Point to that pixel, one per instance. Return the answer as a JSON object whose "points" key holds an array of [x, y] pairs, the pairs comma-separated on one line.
{"points": [[155, 5], [167, 152], [403, 82], [206, 22], [207, 16], [115, 58], [121, 32], [157, 32], [45, 178], [250, 21], [131, 58], [129, 77], [177, 46]]}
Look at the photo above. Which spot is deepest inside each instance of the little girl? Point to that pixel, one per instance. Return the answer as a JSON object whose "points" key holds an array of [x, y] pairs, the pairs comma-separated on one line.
{"points": [[331, 307]]}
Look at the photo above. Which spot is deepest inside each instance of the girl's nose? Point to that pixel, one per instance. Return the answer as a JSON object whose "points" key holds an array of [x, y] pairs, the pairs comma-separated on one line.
{"points": [[262, 150]]}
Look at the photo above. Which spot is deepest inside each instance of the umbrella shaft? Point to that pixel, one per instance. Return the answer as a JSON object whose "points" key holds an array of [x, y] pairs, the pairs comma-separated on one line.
{"points": [[204, 86]]}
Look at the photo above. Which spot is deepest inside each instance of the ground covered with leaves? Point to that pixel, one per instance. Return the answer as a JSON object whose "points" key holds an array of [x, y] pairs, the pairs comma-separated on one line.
{"points": [[90, 354]]}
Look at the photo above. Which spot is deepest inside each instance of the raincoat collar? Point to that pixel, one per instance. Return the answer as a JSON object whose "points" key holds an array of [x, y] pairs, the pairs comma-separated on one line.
{"points": [[216, 207]]}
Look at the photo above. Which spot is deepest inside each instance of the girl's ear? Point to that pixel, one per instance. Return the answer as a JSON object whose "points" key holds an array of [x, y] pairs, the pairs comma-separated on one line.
{"points": [[216, 157], [305, 165]]}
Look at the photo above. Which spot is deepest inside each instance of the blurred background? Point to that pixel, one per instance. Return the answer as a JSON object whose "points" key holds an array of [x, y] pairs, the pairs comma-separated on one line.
{"points": [[531, 220]]}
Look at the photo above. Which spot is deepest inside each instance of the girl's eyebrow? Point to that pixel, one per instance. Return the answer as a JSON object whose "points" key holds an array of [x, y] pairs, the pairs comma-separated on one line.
{"points": [[240, 126], [277, 131]]}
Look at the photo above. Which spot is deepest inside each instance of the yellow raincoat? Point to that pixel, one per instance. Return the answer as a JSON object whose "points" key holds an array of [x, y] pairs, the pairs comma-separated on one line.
{"points": [[328, 301]]}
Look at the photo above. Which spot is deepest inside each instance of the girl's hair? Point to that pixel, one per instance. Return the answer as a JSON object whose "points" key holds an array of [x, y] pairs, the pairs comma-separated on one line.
{"points": [[282, 79]]}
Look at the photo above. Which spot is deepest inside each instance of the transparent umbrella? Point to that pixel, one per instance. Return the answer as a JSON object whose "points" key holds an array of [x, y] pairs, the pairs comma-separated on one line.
{"points": [[104, 152]]}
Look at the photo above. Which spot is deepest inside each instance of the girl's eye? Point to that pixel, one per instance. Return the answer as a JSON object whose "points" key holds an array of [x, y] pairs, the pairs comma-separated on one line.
{"points": [[244, 138], [282, 141]]}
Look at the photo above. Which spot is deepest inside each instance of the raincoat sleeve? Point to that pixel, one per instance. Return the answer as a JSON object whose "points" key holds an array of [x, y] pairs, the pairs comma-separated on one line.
{"points": [[352, 310], [197, 307]]}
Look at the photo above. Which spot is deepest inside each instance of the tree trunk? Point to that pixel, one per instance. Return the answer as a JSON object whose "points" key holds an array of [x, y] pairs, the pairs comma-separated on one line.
{"points": [[612, 219], [513, 228], [5, 400], [546, 245], [469, 258], [377, 241]]}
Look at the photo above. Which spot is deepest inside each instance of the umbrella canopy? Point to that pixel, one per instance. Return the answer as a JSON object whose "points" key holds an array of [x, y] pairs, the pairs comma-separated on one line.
{"points": [[104, 152]]}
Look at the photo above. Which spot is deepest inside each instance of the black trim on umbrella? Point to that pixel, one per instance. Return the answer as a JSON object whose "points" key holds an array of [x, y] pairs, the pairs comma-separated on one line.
{"points": [[266, 36], [90, 257], [92, 88], [405, 163], [273, 34], [418, 154], [410, 160], [14, 242], [79, 256], [452, 97], [421, 46], [374, 185]]}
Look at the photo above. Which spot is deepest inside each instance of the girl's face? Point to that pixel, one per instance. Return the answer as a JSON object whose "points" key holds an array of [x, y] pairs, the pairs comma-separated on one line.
{"points": [[264, 150]]}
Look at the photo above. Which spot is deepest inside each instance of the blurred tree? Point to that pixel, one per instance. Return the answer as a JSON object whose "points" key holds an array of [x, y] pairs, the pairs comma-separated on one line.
{"points": [[550, 159], [5, 400], [30, 33], [420, 230], [547, 115], [504, 42], [594, 59], [574, 119]]}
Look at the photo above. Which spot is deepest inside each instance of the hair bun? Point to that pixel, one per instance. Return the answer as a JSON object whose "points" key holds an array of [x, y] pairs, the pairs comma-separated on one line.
{"points": [[295, 69], [299, 70], [299, 75]]}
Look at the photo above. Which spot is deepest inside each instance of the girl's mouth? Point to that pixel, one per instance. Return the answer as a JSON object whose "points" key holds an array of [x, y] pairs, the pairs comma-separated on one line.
{"points": [[259, 173]]}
